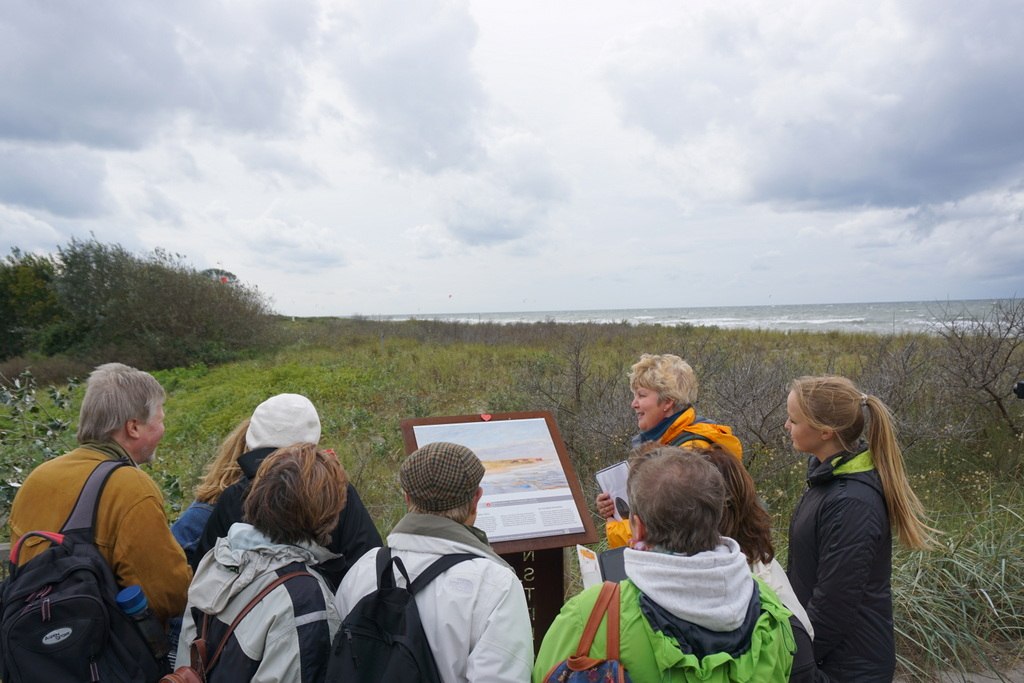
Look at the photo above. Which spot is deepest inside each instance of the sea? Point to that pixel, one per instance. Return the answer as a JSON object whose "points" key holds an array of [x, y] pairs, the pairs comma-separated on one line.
{"points": [[890, 317]]}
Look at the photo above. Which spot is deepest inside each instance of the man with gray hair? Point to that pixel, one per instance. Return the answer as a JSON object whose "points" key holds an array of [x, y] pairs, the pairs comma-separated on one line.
{"points": [[689, 609], [474, 614], [121, 418]]}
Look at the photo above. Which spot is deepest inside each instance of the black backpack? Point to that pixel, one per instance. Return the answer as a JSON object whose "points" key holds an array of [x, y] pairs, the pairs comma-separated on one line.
{"points": [[58, 617], [382, 638]]}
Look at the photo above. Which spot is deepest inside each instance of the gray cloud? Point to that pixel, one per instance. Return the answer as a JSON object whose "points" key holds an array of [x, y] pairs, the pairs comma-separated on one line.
{"points": [[406, 67], [509, 199], [852, 106], [293, 245], [109, 74], [65, 183], [158, 206], [27, 232], [280, 164]]}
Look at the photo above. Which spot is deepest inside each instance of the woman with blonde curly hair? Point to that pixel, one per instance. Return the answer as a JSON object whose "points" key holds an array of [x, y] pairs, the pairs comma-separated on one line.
{"points": [[840, 536], [664, 393]]}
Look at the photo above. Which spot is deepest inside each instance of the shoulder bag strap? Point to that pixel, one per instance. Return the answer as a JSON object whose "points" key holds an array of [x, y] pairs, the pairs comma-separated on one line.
{"points": [[612, 632], [436, 568], [198, 653], [83, 514], [604, 599], [245, 610]]}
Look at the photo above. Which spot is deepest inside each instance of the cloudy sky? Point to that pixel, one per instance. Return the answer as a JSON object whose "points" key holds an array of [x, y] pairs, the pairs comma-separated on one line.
{"points": [[421, 156]]}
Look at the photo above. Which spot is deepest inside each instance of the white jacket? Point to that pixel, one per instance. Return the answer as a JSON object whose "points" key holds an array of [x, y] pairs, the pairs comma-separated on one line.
{"points": [[287, 637], [775, 576], [474, 615]]}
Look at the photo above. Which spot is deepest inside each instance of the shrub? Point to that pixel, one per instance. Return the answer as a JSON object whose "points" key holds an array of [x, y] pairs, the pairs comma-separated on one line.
{"points": [[99, 302], [28, 302], [32, 429]]}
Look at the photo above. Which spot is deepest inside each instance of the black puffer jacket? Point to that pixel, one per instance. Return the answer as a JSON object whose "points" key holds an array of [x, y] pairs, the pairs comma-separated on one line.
{"points": [[354, 535], [840, 564]]}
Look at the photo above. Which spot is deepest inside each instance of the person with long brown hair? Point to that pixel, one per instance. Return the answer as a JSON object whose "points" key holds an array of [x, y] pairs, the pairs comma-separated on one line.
{"points": [[221, 472], [290, 512], [840, 536], [746, 521]]}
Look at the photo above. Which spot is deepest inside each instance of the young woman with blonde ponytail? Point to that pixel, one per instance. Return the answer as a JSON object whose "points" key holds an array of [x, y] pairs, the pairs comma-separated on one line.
{"points": [[840, 537]]}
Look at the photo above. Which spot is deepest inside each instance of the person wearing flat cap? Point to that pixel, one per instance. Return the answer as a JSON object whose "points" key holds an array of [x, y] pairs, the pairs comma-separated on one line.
{"points": [[280, 421], [474, 614]]}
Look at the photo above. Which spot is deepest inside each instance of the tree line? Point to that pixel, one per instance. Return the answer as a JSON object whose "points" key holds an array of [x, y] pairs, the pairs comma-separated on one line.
{"points": [[93, 302]]}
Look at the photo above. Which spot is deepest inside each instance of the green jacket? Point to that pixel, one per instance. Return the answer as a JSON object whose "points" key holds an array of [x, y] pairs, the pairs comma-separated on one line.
{"points": [[652, 657]]}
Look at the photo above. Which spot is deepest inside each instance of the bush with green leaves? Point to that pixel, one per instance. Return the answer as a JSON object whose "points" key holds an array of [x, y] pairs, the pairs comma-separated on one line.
{"points": [[34, 426], [100, 302], [28, 302]]}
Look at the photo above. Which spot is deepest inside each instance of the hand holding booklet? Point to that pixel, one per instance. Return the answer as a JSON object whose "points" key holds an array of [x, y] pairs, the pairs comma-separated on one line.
{"points": [[612, 480]]}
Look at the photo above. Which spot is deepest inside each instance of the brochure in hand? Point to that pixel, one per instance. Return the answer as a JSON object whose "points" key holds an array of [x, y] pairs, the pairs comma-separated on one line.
{"points": [[612, 480]]}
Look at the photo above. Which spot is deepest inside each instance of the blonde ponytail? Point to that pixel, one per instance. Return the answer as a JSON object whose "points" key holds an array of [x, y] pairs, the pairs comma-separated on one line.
{"points": [[906, 514], [834, 403]]}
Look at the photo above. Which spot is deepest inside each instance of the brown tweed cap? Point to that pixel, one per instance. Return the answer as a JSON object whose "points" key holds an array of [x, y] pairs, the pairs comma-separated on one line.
{"points": [[441, 476]]}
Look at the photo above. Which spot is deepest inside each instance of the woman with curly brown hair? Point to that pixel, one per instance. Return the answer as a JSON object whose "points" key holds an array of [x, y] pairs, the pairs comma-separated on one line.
{"points": [[290, 512]]}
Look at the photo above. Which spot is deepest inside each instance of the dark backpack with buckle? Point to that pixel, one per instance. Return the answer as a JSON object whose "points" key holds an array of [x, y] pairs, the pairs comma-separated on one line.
{"points": [[382, 638], [58, 617]]}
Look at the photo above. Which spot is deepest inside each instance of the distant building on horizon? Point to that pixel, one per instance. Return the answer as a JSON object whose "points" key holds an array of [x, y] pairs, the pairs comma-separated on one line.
{"points": [[222, 276]]}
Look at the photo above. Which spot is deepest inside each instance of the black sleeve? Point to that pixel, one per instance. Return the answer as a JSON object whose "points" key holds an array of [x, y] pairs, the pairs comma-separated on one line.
{"points": [[226, 512], [805, 669], [352, 538]]}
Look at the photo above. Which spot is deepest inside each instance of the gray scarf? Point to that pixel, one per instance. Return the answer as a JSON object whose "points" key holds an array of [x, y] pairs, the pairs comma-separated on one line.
{"points": [[418, 524]]}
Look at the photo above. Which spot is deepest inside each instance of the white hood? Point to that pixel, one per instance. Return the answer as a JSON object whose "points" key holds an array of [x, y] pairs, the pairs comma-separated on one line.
{"points": [[711, 589]]}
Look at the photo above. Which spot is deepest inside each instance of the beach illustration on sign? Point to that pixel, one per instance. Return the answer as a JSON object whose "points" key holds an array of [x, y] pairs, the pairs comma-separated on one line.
{"points": [[516, 475], [518, 455]]}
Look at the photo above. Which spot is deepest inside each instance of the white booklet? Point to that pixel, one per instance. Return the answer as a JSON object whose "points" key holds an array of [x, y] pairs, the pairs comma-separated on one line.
{"points": [[612, 480], [590, 571]]}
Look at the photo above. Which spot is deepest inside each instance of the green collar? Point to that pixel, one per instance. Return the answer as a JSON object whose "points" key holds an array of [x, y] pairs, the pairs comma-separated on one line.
{"points": [[862, 462], [111, 449]]}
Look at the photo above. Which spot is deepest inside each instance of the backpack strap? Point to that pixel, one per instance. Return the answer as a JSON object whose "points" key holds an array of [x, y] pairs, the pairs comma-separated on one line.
{"points": [[82, 517], [206, 666], [386, 576], [83, 514], [436, 568], [612, 632]]}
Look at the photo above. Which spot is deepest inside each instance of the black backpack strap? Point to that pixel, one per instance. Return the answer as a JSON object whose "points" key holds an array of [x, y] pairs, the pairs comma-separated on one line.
{"points": [[385, 574], [83, 514], [438, 567]]}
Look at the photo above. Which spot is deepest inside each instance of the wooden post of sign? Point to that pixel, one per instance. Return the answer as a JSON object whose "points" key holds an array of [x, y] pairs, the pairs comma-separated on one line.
{"points": [[543, 576]]}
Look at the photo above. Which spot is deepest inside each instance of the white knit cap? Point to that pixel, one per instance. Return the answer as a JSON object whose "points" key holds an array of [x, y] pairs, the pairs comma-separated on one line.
{"points": [[281, 421]]}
